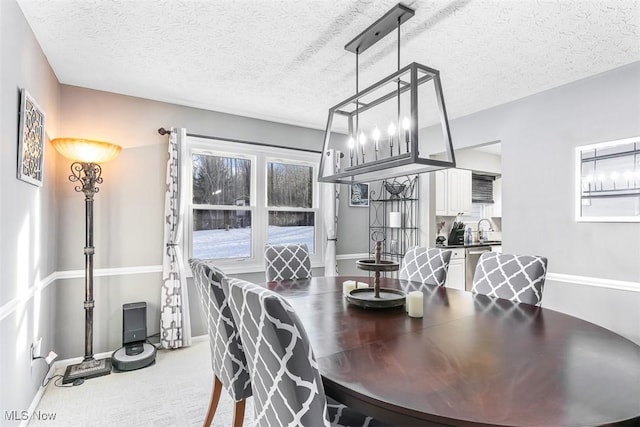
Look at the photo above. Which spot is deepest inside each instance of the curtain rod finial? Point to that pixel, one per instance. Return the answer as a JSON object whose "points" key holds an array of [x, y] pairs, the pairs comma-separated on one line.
{"points": [[163, 131]]}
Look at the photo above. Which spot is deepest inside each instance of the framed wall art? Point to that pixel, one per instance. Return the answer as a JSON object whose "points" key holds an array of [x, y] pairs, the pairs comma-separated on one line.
{"points": [[359, 195], [30, 140]]}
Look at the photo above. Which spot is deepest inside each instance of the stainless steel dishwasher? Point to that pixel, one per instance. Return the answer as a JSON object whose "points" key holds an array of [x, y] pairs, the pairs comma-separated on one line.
{"points": [[471, 260]]}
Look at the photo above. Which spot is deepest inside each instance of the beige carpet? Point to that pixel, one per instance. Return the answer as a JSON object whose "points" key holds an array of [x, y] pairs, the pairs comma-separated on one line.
{"points": [[175, 391]]}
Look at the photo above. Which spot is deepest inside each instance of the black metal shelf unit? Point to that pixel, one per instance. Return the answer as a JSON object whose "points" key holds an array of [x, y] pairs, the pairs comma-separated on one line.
{"points": [[398, 195]]}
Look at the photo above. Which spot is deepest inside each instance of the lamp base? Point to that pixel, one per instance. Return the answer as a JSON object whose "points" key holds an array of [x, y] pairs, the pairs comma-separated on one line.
{"points": [[90, 368]]}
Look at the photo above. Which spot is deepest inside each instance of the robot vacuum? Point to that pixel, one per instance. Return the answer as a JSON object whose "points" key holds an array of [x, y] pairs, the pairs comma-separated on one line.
{"points": [[136, 352], [126, 359]]}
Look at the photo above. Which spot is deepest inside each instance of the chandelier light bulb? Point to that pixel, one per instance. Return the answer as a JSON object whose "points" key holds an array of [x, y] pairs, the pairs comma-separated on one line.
{"points": [[614, 176], [627, 175], [588, 178], [391, 130], [406, 123], [352, 142], [376, 134], [602, 177], [363, 138]]}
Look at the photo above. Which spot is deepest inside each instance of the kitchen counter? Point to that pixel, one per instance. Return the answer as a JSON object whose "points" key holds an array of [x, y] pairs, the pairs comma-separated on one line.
{"points": [[472, 245]]}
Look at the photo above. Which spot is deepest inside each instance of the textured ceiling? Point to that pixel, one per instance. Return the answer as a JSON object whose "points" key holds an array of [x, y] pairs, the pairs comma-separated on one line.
{"points": [[285, 60]]}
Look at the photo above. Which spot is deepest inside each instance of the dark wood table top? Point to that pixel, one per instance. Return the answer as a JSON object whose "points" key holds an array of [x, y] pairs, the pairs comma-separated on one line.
{"points": [[471, 360]]}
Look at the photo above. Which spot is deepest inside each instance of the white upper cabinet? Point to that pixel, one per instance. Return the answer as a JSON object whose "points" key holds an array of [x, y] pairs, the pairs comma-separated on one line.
{"points": [[453, 192]]}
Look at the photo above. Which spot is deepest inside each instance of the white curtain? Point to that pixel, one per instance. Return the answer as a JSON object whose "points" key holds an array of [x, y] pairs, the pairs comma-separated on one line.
{"points": [[331, 192], [175, 325]]}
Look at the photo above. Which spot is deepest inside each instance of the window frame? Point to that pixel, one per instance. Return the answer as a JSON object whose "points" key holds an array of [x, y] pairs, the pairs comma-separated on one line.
{"points": [[259, 156]]}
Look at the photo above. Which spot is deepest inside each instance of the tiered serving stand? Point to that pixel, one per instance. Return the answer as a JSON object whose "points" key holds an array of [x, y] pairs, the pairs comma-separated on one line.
{"points": [[376, 297]]}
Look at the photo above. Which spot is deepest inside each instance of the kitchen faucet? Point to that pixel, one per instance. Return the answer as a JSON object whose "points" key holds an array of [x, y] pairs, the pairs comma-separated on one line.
{"points": [[481, 236]]}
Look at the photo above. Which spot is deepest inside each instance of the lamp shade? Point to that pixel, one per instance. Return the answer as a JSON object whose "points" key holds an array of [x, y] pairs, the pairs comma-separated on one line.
{"points": [[86, 150]]}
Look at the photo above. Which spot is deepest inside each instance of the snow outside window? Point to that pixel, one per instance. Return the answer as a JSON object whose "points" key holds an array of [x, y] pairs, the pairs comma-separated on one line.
{"points": [[242, 196]]}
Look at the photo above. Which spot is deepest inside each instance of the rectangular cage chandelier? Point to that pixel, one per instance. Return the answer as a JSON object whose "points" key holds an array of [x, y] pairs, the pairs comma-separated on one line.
{"points": [[397, 126]]}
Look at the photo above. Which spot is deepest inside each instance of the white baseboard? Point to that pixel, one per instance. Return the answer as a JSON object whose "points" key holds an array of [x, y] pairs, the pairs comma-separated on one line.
{"points": [[50, 373], [36, 399]]}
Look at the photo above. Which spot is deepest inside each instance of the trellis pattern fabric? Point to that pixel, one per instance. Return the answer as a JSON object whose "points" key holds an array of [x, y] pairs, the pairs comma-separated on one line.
{"points": [[426, 265], [287, 386], [175, 326], [227, 355], [518, 278], [286, 262], [330, 212]]}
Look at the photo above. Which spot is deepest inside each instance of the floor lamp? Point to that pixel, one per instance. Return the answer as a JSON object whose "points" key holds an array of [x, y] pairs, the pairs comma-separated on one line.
{"points": [[87, 173]]}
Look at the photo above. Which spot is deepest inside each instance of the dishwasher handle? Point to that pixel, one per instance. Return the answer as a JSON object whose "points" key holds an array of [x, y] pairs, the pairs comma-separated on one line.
{"points": [[478, 251]]}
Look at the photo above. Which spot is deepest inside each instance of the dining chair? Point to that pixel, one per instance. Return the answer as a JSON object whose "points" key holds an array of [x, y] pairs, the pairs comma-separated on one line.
{"points": [[517, 278], [287, 261], [287, 386], [425, 265], [227, 356]]}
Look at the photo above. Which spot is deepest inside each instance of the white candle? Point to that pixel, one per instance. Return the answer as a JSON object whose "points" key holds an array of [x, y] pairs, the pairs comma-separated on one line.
{"points": [[414, 304], [395, 219], [406, 124], [391, 130], [362, 285], [376, 139], [348, 286], [352, 143]]}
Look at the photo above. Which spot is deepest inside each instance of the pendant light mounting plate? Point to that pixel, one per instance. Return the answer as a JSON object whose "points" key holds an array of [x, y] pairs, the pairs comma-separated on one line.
{"points": [[379, 29]]}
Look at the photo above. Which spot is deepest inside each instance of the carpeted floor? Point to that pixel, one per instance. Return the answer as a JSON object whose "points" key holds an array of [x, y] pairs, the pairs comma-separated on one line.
{"points": [[175, 391]]}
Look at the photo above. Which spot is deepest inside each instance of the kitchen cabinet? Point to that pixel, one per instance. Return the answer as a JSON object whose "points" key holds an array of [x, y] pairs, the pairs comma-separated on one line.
{"points": [[453, 192], [457, 270]]}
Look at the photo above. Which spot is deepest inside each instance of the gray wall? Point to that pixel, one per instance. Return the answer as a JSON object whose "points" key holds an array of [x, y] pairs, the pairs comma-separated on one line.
{"points": [[539, 134], [27, 216], [129, 206], [42, 228]]}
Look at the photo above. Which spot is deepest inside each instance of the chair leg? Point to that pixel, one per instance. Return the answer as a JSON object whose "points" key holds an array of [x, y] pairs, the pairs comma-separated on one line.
{"points": [[215, 398], [238, 413]]}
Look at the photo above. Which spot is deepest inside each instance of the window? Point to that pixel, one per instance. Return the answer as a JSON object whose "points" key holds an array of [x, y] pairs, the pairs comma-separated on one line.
{"points": [[242, 196], [221, 220], [290, 203]]}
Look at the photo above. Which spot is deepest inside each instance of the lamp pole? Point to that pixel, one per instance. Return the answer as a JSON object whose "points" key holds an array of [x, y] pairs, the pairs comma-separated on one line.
{"points": [[89, 175]]}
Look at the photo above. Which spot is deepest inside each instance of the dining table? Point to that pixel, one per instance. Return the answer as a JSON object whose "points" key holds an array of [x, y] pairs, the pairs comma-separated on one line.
{"points": [[470, 360]]}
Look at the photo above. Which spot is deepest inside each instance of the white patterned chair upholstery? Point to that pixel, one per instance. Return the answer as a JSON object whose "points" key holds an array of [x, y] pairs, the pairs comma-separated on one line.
{"points": [[425, 265], [227, 355], [517, 278], [287, 386], [287, 262]]}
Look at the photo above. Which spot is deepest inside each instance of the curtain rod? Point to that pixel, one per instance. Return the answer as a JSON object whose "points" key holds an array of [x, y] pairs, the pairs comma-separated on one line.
{"points": [[163, 131]]}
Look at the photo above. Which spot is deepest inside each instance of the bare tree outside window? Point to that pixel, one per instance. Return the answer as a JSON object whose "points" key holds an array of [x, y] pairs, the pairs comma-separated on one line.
{"points": [[221, 182], [290, 186]]}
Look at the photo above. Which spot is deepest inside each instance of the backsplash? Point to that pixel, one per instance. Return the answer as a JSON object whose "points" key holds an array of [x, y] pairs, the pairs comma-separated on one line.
{"points": [[444, 223]]}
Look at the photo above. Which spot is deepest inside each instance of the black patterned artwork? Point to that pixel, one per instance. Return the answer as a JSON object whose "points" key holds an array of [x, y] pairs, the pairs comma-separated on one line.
{"points": [[31, 140]]}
